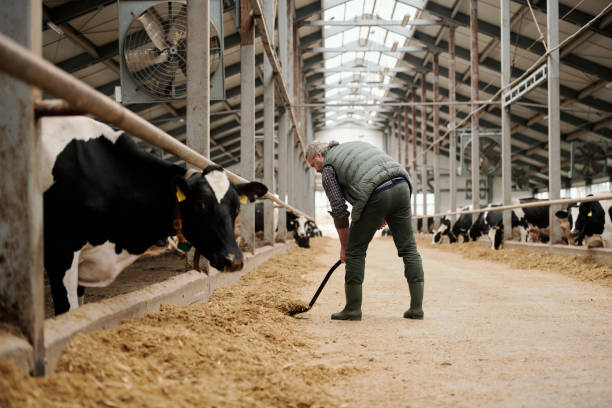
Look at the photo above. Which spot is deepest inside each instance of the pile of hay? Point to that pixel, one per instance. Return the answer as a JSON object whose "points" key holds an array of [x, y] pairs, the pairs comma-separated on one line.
{"points": [[583, 268], [238, 350]]}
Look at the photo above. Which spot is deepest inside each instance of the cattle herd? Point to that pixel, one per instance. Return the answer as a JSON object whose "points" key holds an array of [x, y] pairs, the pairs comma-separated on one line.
{"points": [[582, 224], [105, 202]]}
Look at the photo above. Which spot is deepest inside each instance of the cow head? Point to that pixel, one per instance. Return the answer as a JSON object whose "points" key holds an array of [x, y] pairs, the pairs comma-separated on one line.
{"points": [[209, 207], [478, 228], [444, 229], [568, 224]]}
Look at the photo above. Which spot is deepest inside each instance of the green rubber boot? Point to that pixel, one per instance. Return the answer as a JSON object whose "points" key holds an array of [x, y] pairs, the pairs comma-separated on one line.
{"points": [[416, 301], [352, 310]]}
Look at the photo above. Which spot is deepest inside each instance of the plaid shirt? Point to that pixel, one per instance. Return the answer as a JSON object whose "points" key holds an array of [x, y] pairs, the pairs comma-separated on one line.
{"points": [[339, 209]]}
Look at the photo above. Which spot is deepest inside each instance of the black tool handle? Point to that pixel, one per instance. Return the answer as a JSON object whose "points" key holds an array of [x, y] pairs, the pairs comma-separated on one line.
{"points": [[322, 285]]}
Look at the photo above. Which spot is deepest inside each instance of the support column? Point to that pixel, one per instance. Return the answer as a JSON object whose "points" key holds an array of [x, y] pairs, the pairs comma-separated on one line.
{"points": [[415, 189], [474, 95], [506, 123], [399, 136], [554, 130], [247, 116], [436, 138], [289, 77], [21, 212], [269, 111], [406, 142], [424, 146], [283, 124], [198, 77], [452, 122]]}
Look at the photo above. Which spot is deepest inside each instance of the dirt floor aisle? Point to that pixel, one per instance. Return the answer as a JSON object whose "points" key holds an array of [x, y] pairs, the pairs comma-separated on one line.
{"points": [[492, 335]]}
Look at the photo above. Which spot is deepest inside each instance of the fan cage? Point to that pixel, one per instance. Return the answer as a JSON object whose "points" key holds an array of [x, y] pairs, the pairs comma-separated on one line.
{"points": [[155, 50]]}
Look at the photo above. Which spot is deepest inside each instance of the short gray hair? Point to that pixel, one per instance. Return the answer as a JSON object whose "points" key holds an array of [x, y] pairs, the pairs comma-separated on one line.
{"points": [[316, 146]]}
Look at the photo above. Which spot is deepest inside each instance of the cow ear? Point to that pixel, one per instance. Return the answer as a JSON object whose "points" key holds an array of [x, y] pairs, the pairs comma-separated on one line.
{"points": [[561, 214], [182, 188], [251, 190]]}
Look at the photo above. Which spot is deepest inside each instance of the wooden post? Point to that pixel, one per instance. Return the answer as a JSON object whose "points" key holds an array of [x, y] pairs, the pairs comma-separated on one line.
{"points": [[506, 120], [247, 116], [269, 111], [283, 124], [436, 137], [452, 154], [554, 129], [474, 95], [21, 211], [424, 144], [198, 77]]}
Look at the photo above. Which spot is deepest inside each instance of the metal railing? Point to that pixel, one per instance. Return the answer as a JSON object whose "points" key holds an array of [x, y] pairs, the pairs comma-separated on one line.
{"points": [[23, 64], [520, 205]]}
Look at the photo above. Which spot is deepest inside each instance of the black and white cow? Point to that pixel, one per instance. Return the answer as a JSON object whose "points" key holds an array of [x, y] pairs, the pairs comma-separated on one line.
{"points": [[531, 222], [590, 222], [297, 224], [491, 223], [444, 230], [106, 202], [312, 230], [460, 228]]}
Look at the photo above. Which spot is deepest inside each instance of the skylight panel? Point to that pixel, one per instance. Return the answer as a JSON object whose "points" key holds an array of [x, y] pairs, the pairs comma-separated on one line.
{"points": [[368, 6], [334, 41], [334, 13], [377, 34], [348, 57], [401, 10], [333, 62], [372, 56], [333, 78], [384, 9], [387, 61], [351, 35], [394, 37], [353, 9]]}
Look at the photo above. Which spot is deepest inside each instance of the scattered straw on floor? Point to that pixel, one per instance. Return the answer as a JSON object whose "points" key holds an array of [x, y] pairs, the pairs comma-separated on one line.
{"points": [[583, 268], [238, 350]]}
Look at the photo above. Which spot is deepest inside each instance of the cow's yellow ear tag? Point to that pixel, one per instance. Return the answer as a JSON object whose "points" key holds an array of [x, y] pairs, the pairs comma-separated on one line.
{"points": [[180, 196], [590, 214], [244, 199]]}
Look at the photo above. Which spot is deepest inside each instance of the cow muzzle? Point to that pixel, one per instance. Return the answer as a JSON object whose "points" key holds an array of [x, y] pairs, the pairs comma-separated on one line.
{"points": [[233, 263]]}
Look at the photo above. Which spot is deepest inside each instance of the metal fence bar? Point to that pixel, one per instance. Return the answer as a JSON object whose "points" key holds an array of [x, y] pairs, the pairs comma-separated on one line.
{"points": [[21, 63], [524, 205]]}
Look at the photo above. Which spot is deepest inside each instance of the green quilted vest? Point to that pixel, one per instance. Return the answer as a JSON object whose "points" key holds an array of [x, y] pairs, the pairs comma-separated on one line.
{"points": [[360, 168]]}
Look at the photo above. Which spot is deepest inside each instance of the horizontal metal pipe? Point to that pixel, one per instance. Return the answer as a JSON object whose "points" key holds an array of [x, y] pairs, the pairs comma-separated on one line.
{"points": [[524, 205], [22, 64]]}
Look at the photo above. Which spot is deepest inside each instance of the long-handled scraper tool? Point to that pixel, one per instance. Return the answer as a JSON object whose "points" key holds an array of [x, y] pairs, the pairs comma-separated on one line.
{"points": [[302, 309]]}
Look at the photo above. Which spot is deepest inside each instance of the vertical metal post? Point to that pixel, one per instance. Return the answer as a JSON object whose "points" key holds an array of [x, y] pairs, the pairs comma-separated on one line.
{"points": [[554, 130], [289, 76], [269, 111], [247, 116], [399, 136], [506, 124], [21, 211], [283, 124], [406, 142], [424, 144], [198, 77], [474, 95], [452, 152], [415, 189], [436, 137]]}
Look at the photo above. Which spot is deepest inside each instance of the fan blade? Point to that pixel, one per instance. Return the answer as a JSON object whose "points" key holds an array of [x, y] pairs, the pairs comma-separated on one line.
{"points": [[178, 29], [144, 57], [154, 30], [164, 77]]}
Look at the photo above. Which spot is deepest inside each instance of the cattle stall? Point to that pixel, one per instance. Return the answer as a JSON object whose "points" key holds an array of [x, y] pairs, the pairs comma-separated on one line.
{"points": [[24, 302]]}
